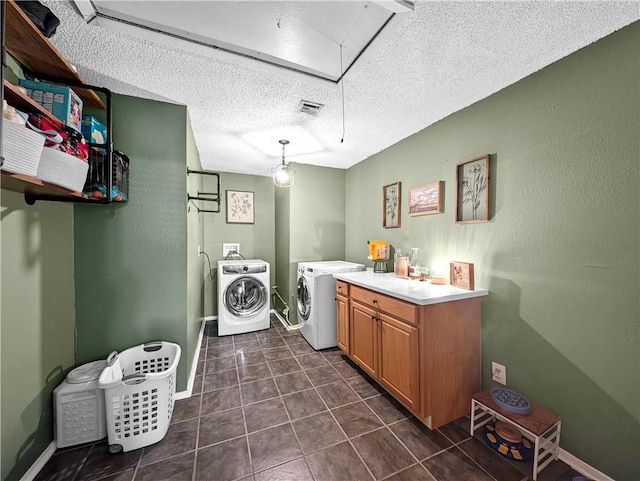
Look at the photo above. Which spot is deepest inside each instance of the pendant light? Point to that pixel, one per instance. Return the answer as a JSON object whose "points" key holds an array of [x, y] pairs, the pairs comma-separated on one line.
{"points": [[283, 174]]}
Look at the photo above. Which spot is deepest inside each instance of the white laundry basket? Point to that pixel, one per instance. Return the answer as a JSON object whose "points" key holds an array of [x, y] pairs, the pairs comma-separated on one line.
{"points": [[79, 415], [139, 387]]}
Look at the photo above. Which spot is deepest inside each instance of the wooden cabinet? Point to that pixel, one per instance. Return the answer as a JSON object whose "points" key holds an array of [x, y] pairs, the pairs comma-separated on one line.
{"points": [[387, 349], [426, 356], [342, 316], [399, 360], [364, 337]]}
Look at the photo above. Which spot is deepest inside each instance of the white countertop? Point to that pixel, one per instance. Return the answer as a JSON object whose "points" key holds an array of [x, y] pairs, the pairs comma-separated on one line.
{"points": [[417, 292]]}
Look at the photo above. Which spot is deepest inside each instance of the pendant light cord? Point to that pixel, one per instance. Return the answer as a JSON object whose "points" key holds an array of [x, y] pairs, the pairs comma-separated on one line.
{"points": [[342, 92]]}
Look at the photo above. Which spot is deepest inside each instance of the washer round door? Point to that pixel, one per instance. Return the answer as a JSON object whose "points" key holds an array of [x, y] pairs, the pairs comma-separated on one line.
{"points": [[245, 296], [304, 299]]}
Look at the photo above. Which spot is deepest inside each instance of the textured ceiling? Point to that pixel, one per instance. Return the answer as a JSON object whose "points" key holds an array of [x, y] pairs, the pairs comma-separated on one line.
{"points": [[422, 67]]}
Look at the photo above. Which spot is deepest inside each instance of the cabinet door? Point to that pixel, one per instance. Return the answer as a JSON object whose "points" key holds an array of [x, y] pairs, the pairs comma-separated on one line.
{"points": [[364, 337], [342, 319], [399, 363]]}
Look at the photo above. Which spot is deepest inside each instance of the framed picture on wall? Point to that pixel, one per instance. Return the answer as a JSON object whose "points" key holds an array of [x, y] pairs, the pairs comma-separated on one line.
{"points": [[391, 205], [426, 199], [461, 275], [472, 196], [240, 207]]}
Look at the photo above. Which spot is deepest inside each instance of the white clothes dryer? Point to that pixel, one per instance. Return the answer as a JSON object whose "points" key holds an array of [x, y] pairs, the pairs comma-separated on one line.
{"points": [[243, 296], [317, 300]]}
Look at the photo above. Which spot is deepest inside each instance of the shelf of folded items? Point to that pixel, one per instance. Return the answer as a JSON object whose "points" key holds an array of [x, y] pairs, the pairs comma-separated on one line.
{"points": [[36, 53]]}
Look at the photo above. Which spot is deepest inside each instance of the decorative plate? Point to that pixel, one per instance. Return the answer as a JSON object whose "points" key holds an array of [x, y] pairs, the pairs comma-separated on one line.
{"points": [[522, 451], [510, 401]]}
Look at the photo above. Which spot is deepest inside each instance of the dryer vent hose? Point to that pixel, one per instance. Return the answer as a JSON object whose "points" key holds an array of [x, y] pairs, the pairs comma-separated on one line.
{"points": [[285, 311]]}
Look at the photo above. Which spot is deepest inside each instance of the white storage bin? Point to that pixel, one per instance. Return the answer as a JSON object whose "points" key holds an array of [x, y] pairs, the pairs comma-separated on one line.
{"points": [[139, 389], [60, 168], [21, 149], [79, 415]]}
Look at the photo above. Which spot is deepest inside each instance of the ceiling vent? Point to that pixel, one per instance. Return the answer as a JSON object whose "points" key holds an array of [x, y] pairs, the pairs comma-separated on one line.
{"points": [[307, 107]]}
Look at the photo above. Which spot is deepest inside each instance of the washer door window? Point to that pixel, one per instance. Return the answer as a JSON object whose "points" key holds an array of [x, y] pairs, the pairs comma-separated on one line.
{"points": [[304, 299], [245, 296]]}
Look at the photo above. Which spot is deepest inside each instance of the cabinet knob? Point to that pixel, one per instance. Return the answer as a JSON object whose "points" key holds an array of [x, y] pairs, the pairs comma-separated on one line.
{"points": [[375, 301]]}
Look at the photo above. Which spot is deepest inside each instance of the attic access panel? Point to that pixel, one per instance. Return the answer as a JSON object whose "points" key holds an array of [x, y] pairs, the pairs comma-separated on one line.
{"points": [[304, 36]]}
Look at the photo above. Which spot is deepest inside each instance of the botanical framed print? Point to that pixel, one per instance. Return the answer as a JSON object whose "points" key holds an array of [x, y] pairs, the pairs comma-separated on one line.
{"points": [[240, 207], [426, 199], [391, 205], [461, 275], [472, 196]]}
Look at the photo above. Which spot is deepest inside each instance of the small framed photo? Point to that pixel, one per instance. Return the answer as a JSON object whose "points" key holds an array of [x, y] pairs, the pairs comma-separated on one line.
{"points": [[461, 275], [391, 205], [240, 207], [426, 199], [472, 196]]}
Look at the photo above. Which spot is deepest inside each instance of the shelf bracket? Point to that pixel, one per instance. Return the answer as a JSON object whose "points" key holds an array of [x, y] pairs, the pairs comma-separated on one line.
{"points": [[202, 196]]}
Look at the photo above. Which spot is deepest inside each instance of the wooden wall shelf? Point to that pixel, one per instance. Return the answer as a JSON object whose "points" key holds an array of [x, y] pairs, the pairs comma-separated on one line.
{"points": [[32, 186], [35, 52], [14, 96]]}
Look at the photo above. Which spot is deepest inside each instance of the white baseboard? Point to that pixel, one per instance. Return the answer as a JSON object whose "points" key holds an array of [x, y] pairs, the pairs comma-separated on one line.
{"points": [[194, 364], [288, 327], [40, 462], [583, 468]]}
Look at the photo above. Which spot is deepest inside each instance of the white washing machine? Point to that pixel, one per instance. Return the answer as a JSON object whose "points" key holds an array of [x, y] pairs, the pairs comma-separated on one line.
{"points": [[317, 300], [243, 296]]}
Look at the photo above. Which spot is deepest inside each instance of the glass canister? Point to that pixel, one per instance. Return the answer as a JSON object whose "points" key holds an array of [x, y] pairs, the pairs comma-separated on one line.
{"points": [[397, 253], [414, 265]]}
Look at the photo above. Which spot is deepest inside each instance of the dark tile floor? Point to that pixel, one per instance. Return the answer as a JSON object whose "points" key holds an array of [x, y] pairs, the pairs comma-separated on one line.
{"points": [[266, 406]]}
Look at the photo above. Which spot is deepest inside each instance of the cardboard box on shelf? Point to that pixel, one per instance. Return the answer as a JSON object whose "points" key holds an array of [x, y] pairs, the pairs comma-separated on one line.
{"points": [[61, 101], [93, 130]]}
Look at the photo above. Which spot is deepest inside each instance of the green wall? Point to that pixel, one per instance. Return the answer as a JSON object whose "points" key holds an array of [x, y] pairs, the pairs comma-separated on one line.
{"points": [[560, 255], [195, 240], [37, 324], [282, 247], [314, 210], [131, 259], [306, 222], [256, 240]]}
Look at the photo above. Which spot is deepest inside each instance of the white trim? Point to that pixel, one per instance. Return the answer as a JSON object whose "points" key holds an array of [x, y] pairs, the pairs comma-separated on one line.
{"points": [[582, 467], [288, 327], [40, 462], [246, 59], [85, 7], [194, 364]]}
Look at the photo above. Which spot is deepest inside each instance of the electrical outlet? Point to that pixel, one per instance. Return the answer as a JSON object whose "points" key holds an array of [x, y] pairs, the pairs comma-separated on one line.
{"points": [[499, 373]]}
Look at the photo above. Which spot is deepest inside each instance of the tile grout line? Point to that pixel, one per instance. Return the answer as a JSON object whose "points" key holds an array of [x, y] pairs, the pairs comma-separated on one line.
{"points": [[340, 427], [194, 466], [244, 418], [194, 471], [473, 460], [313, 386], [289, 415]]}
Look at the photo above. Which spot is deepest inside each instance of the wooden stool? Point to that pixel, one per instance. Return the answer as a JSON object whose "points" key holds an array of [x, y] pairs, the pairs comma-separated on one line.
{"points": [[541, 426]]}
